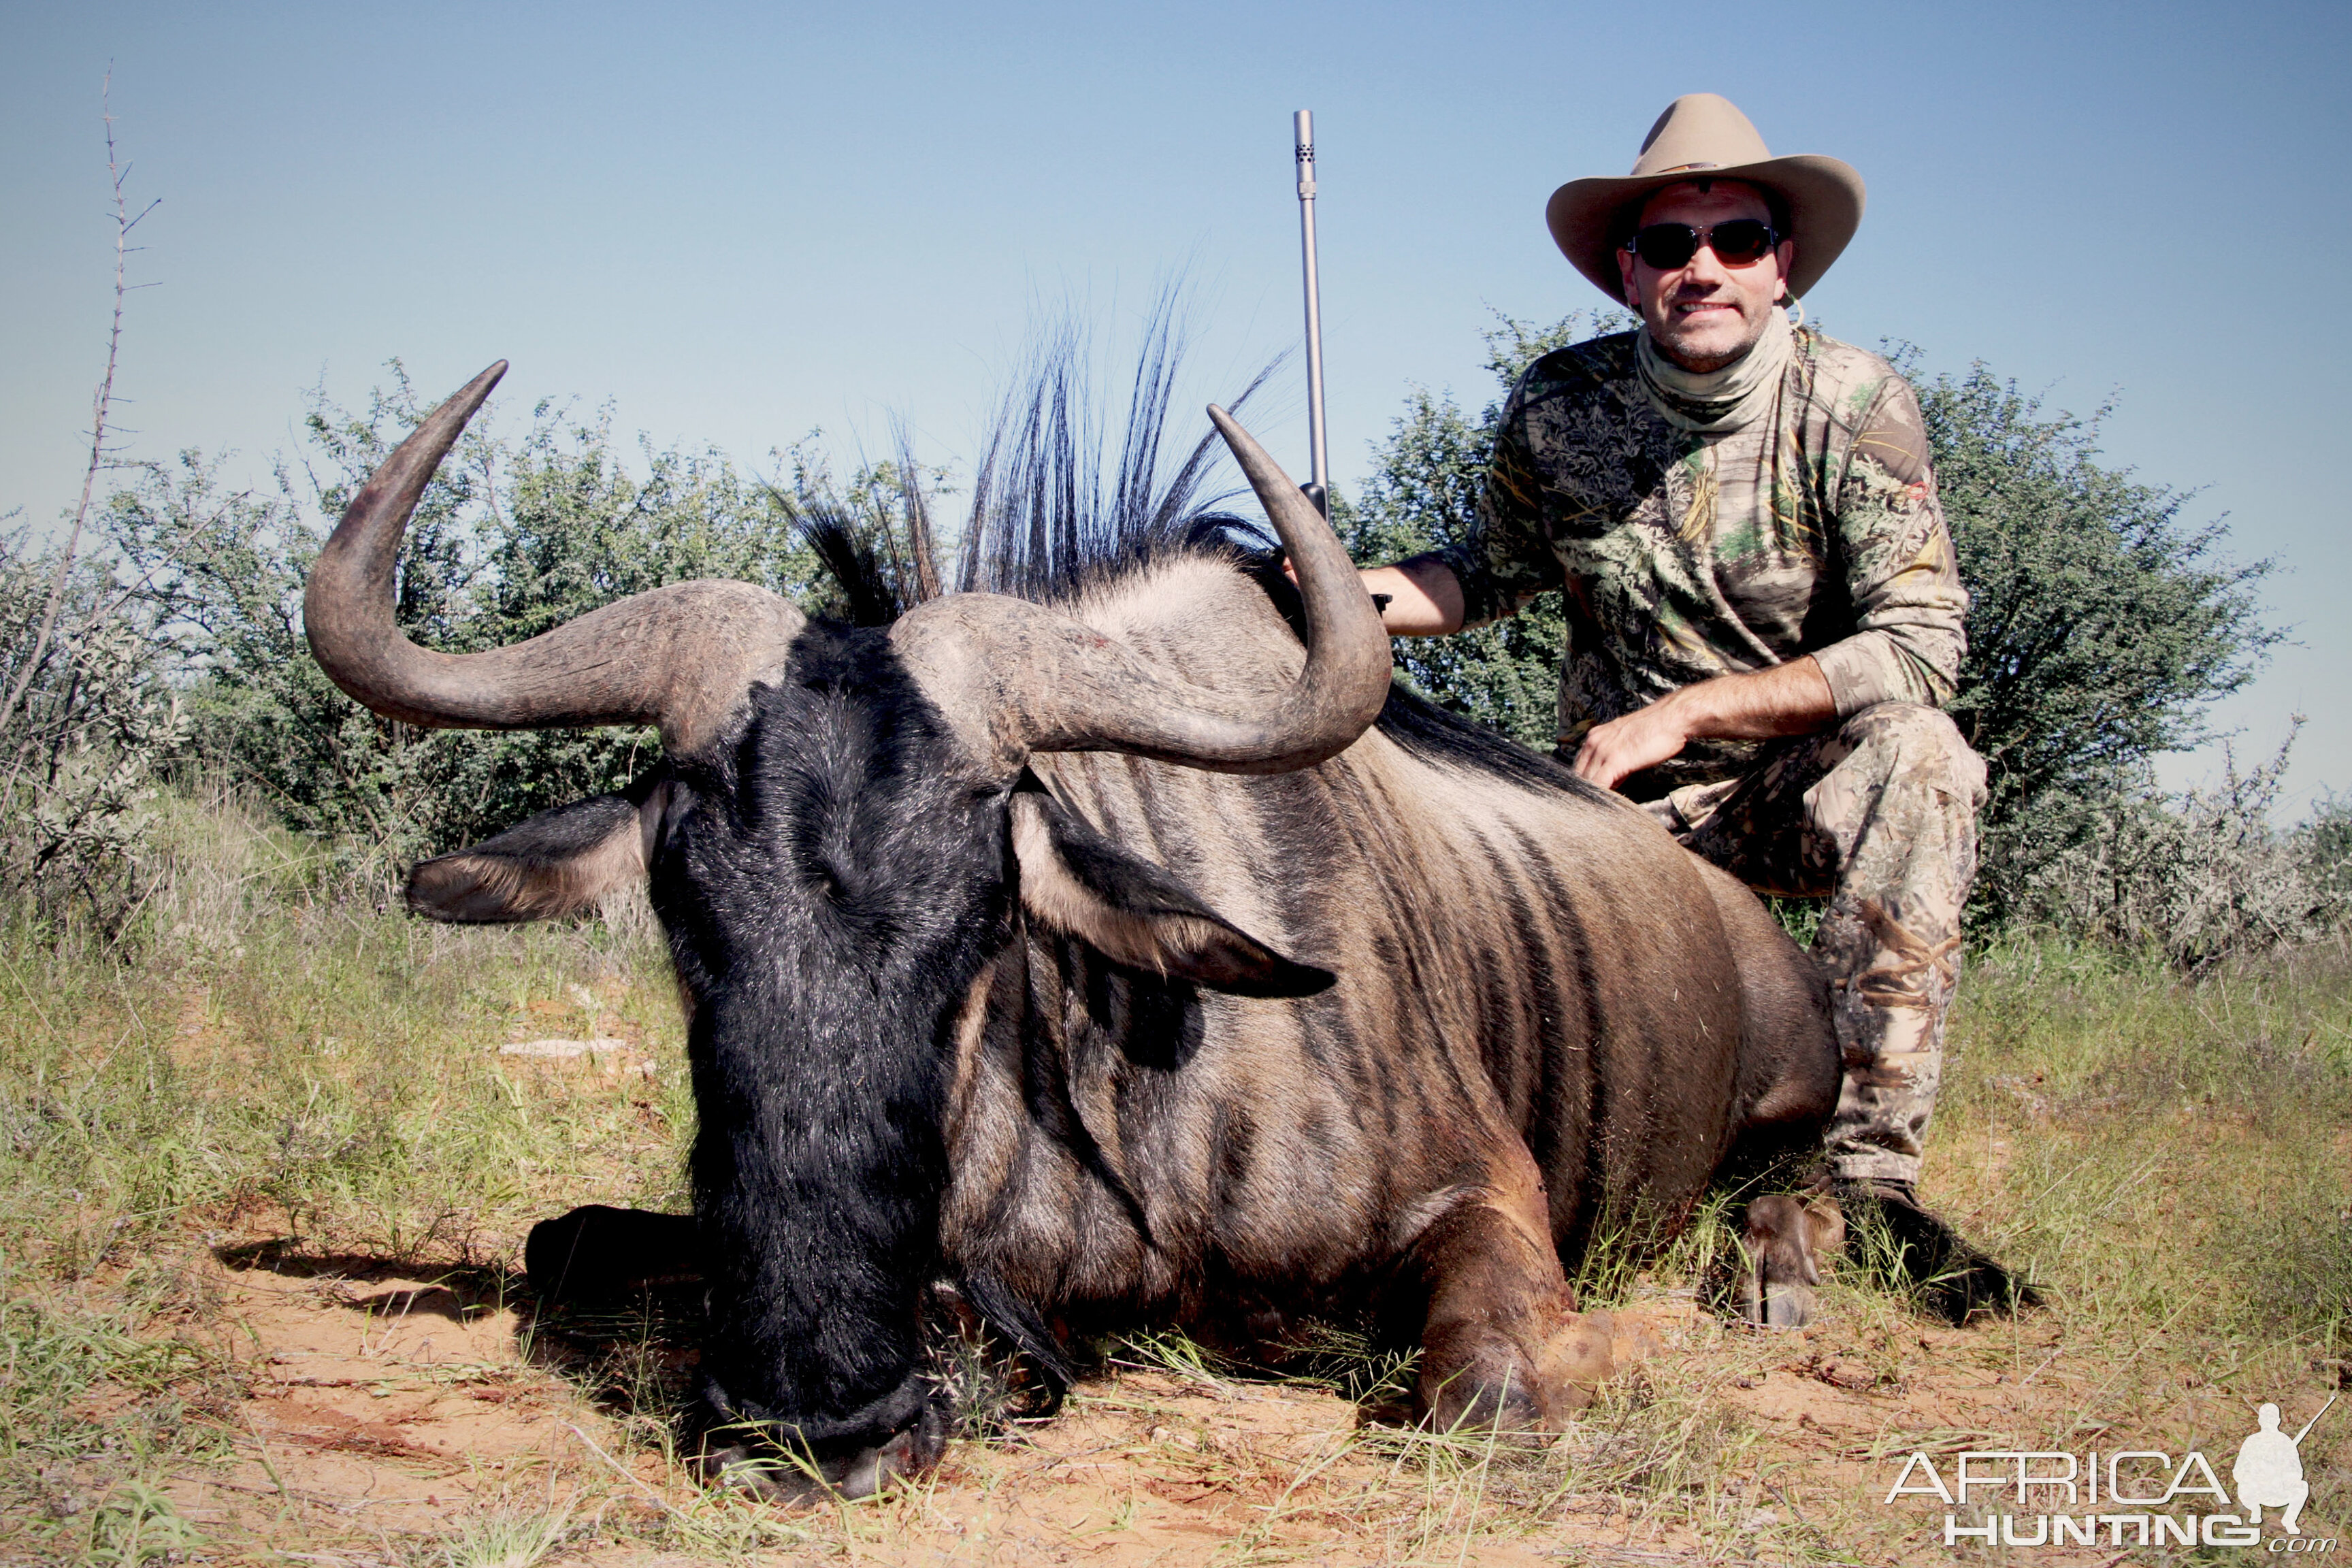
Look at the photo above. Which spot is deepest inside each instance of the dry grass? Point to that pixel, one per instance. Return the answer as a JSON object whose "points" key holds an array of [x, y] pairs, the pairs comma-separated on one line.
{"points": [[268, 1179]]}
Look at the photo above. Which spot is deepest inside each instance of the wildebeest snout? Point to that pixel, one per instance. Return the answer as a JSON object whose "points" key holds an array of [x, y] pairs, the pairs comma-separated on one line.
{"points": [[903, 1433]]}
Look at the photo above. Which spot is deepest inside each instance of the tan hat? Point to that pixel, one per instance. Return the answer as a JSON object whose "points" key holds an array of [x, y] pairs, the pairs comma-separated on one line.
{"points": [[1703, 134]]}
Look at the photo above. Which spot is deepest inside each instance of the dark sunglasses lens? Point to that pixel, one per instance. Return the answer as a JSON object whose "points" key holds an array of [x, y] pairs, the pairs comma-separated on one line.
{"points": [[1740, 242], [1666, 246]]}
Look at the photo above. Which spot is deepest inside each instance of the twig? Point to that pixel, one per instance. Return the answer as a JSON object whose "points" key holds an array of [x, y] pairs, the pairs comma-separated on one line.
{"points": [[624, 1471], [2030, 1376], [101, 403], [1047, 1463]]}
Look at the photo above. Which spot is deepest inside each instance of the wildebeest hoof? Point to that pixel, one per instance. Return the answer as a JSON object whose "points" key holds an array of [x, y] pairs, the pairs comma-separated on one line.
{"points": [[788, 1474], [1512, 1411], [1577, 1358], [597, 1253], [1525, 1393], [1784, 1241]]}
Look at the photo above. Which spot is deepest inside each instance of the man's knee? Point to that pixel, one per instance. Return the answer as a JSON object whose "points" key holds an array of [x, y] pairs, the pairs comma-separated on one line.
{"points": [[1912, 743]]}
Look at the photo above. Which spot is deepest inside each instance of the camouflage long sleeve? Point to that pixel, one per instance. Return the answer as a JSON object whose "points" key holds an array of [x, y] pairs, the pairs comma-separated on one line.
{"points": [[1901, 574], [1813, 531], [1506, 559]]}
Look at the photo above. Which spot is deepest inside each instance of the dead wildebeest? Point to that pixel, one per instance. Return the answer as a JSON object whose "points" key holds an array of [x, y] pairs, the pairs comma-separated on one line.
{"points": [[1118, 942]]}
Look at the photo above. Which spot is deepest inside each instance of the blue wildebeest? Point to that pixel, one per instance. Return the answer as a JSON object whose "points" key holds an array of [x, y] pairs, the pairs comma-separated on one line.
{"points": [[1121, 944]]}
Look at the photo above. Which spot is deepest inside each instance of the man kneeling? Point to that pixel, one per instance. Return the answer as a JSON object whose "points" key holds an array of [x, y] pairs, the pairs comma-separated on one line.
{"points": [[1765, 615]]}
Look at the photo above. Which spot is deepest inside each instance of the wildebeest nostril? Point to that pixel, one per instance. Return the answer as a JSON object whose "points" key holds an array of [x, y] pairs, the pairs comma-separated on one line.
{"points": [[801, 1461]]}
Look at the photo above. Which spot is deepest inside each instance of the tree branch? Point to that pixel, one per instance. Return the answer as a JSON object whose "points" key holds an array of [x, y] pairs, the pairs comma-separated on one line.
{"points": [[101, 404]]}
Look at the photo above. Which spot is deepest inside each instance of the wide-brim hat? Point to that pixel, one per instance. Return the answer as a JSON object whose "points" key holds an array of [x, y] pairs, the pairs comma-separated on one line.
{"points": [[1703, 135]]}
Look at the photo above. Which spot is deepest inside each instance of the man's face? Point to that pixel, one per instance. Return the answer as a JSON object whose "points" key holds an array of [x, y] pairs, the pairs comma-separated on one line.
{"points": [[1704, 315]]}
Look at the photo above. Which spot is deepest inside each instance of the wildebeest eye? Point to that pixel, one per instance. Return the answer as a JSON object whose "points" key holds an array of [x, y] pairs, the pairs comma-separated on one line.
{"points": [[666, 806]]}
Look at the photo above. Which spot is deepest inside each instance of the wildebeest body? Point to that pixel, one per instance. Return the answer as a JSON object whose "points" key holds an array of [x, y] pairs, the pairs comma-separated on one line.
{"points": [[1520, 957]]}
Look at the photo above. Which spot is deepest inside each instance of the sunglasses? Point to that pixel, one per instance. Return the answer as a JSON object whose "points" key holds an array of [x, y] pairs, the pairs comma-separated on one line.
{"points": [[1741, 242]]}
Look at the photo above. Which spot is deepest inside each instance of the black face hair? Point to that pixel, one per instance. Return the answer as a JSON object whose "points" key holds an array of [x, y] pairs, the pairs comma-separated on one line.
{"points": [[831, 886]]}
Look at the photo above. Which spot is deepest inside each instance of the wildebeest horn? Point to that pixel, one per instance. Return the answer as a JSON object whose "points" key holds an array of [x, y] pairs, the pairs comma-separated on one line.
{"points": [[679, 656], [1051, 683]]}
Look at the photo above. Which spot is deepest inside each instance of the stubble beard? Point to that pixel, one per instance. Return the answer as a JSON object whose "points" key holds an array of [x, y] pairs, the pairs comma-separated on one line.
{"points": [[1672, 343]]}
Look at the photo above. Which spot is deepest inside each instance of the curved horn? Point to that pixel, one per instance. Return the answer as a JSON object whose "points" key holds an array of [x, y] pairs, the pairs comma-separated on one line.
{"points": [[1048, 682], [679, 656]]}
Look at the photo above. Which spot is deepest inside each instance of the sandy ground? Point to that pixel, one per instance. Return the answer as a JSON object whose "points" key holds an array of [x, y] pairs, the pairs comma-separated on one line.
{"points": [[382, 1415]]}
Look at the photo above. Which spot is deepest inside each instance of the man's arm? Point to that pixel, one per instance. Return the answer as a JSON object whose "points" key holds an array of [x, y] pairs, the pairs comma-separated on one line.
{"points": [[1791, 699], [1425, 596], [1910, 627]]}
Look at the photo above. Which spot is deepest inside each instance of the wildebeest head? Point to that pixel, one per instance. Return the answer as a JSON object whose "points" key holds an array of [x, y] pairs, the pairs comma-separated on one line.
{"points": [[839, 840]]}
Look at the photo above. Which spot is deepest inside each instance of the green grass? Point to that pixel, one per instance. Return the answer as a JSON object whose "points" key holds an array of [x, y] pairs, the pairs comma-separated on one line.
{"points": [[261, 1058], [509, 1534], [332, 1068], [2156, 1150]]}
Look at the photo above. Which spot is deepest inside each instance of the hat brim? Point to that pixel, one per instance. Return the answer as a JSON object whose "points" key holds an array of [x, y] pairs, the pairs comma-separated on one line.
{"points": [[1824, 197]]}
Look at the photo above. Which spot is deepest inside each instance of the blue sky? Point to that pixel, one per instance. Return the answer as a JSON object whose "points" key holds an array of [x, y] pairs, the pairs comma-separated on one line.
{"points": [[738, 222]]}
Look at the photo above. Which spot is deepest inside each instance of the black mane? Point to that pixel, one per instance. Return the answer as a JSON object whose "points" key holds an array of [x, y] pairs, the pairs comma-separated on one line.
{"points": [[1046, 525]]}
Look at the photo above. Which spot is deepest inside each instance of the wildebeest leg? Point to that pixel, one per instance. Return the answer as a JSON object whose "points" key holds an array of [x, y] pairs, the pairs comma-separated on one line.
{"points": [[597, 1252], [1785, 1239], [1788, 1089], [1502, 1343]]}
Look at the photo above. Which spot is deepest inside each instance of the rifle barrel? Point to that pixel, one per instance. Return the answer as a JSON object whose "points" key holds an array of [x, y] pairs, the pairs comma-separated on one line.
{"points": [[1302, 128]]}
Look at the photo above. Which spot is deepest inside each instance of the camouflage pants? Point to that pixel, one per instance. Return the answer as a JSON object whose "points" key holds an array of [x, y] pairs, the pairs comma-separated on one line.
{"points": [[1880, 816]]}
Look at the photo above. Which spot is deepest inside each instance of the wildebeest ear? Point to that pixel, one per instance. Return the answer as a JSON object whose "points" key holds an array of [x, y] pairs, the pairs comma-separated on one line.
{"points": [[1134, 912], [555, 864]]}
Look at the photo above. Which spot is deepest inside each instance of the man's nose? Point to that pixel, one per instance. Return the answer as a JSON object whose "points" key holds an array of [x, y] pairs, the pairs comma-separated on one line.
{"points": [[1705, 267]]}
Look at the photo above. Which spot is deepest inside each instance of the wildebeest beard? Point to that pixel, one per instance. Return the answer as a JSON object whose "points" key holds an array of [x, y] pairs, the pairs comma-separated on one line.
{"points": [[830, 888]]}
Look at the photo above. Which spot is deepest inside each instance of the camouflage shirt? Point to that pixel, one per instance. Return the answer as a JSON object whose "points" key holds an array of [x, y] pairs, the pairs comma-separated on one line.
{"points": [[1813, 530]]}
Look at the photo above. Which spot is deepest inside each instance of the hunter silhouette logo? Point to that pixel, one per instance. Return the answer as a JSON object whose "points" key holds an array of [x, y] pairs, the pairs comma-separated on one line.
{"points": [[2134, 1497], [2269, 1471]]}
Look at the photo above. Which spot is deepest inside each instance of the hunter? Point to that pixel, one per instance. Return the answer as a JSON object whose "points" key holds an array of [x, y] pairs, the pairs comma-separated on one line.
{"points": [[1764, 613]]}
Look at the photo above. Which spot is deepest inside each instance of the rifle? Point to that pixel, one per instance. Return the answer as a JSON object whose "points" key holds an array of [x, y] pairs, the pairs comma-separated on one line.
{"points": [[1317, 487]]}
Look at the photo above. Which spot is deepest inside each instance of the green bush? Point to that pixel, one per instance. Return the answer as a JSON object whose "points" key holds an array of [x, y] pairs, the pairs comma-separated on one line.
{"points": [[2197, 878], [2100, 626], [82, 746], [515, 534]]}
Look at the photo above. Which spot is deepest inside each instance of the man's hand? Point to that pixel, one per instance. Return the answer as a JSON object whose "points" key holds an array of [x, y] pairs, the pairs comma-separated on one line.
{"points": [[1640, 739], [1792, 698]]}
